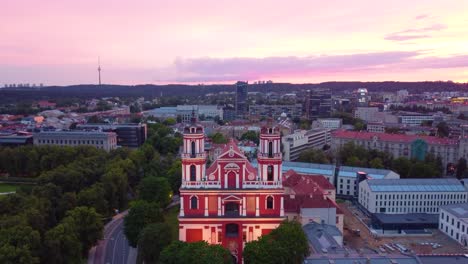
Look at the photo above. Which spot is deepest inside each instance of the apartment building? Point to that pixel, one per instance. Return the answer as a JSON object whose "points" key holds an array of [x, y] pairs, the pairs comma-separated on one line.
{"points": [[302, 140]]}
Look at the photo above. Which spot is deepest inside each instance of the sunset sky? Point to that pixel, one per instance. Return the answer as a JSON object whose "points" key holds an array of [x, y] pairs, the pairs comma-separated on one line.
{"points": [[58, 42]]}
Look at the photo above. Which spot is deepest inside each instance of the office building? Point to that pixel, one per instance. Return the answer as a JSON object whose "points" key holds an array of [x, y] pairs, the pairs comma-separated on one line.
{"points": [[101, 140], [275, 111], [302, 140], [318, 104], [328, 123], [453, 221], [241, 99], [376, 127], [415, 119], [403, 196], [128, 135]]}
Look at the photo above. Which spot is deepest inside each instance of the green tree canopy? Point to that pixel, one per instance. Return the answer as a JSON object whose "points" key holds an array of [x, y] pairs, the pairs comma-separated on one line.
{"points": [[251, 135], [87, 224], [285, 244], [141, 214], [195, 253], [155, 189], [314, 156], [19, 244], [62, 245], [152, 240], [461, 168], [218, 138]]}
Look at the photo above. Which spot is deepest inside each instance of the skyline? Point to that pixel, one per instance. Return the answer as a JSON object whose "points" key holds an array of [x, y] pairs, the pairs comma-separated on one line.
{"points": [[59, 42]]}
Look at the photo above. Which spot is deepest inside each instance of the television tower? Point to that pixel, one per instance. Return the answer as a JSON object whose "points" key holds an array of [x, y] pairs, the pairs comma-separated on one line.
{"points": [[99, 70]]}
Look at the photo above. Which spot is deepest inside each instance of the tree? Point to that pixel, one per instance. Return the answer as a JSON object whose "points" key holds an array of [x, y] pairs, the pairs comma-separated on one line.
{"points": [[443, 129], [376, 163], [19, 244], [218, 138], [402, 166], [62, 245], [422, 170], [141, 214], [251, 135], [195, 253], [152, 240], [87, 224], [115, 184], [155, 189], [285, 244], [314, 156], [461, 168], [94, 196]]}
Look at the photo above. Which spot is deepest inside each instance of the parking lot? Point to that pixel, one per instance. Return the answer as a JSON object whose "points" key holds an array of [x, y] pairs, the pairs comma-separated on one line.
{"points": [[417, 244]]}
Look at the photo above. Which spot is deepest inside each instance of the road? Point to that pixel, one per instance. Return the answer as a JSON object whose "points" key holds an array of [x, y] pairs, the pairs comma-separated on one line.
{"points": [[114, 248]]}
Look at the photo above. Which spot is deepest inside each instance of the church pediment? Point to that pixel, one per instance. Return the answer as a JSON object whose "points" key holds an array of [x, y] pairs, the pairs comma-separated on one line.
{"points": [[231, 166], [232, 198]]}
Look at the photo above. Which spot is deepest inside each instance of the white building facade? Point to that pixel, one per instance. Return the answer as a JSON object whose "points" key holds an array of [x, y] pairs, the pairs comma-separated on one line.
{"points": [[453, 221], [302, 140], [402, 196], [101, 140]]}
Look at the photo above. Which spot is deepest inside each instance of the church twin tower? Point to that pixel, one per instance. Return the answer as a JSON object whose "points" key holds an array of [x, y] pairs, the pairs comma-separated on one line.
{"points": [[231, 202]]}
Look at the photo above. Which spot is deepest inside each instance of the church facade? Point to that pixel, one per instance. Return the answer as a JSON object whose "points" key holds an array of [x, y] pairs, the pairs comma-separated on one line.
{"points": [[230, 203]]}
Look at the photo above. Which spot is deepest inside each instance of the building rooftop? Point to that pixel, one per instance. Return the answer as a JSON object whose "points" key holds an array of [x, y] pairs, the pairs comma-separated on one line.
{"points": [[458, 210], [361, 135], [411, 218], [346, 171], [375, 259], [416, 185], [321, 239]]}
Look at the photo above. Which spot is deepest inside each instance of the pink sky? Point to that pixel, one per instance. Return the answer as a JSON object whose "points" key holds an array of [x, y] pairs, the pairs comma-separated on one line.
{"points": [[58, 42]]}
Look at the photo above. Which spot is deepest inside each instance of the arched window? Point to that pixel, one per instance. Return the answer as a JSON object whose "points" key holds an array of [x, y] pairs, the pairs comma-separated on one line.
{"points": [[193, 202], [193, 149], [231, 209], [270, 173], [270, 149], [269, 202], [193, 173]]}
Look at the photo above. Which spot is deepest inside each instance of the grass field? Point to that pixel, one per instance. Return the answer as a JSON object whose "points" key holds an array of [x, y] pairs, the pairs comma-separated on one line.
{"points": [[5, 187], [171, 219]]}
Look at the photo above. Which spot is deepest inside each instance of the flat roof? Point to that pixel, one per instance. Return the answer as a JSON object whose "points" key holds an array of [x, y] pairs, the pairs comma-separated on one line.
{"points": [[457, 259], [412, 218], [320, 237], [375, 259], [309, 168], [458, 210], [416, 185]]}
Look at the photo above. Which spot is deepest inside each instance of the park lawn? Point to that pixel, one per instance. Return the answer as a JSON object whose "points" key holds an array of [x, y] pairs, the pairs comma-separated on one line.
{"points": [[5, 187], [170, 218]]}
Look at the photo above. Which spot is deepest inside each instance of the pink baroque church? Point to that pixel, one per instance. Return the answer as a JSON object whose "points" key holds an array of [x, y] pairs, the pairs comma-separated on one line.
{"points": [[231, 202]]}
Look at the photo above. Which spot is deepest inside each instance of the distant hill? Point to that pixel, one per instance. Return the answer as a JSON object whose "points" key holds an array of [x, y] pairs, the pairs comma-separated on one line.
{"points": [[88, 91]]}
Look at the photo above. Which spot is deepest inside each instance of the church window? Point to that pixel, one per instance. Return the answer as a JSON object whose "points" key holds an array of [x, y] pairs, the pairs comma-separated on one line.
{"points": [[269, 203], [193, 173], [270, 149], [193, 149], [193, 202], [270, 173]]}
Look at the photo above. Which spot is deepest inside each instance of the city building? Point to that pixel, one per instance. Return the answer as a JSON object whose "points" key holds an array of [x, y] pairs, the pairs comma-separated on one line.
{"points": [[409, 146], [328, 123], [348, 178], [184, 112], [128, 135], [15, 139], [230, 203], [376, 127], [362, 97], [414, 119], [403, 196], [367, 114], [301, 140], [241, 99], [311, 198], [101, 140], [453, 221], [275, 111], [318, 104]]}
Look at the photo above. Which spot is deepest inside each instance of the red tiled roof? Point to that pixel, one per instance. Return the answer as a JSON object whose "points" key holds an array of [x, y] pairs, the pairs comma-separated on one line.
{"points": [[306, 184], [304, 201], [360, 135]]}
